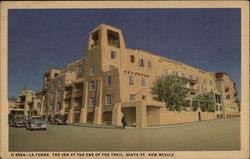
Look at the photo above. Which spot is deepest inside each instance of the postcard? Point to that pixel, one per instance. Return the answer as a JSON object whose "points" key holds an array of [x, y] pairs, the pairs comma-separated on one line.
{"points": [[118, 79]]}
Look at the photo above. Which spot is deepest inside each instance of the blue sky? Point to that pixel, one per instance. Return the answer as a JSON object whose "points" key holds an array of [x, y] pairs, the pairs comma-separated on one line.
{"points": [[40, 39]]}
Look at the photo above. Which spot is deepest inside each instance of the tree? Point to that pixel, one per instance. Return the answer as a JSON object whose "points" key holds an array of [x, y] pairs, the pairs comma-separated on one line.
{"points": [[170, 89], [206, 102]]}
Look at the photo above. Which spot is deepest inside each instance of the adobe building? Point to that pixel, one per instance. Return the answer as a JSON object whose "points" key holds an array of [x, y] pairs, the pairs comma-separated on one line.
{"points": [[113, 80]]}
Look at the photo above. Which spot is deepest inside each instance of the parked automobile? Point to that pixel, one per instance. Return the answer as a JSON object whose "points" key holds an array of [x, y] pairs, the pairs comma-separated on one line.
{"points": [[36, 122], [17, 120], [59, 119]]}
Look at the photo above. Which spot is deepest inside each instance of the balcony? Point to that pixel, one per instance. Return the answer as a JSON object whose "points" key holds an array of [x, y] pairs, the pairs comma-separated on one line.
{"points": [[78, 108], [68, 95], [21, 102], [79, 93], [66, 109], [192, 82], [95, 44]]}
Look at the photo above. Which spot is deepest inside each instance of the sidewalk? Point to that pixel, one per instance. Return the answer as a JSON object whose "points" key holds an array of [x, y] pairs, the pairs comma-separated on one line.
{"points": [[104, 126]]}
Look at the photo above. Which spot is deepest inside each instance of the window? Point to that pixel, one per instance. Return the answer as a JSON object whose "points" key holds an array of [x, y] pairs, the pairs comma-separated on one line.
{"points": [[59, 95], [92, 85], [198, 80], [51, 108], [144, 97], [111, 67], [190, 77], [176, 74], [59, 107], [132, 97], [92, 70], [143, 82], [52, 85], [131, 80], [60, 82], [149, 64], [205, 89], [183, 75], [109, 80], [113, 55], [80, 68], [132, 58], [92, 102], [51, 96], [108, 99], [141, 63], [205, 82]]}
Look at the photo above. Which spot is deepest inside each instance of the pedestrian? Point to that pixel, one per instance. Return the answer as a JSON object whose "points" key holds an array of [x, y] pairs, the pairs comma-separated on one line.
{"points": [[124, 123]]}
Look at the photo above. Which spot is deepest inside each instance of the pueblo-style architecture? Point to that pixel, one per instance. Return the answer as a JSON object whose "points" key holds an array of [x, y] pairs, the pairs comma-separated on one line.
{"points": [[113, 80]]}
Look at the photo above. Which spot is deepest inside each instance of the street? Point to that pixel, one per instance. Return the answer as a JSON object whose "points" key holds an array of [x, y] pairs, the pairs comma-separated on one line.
{"points": [[214, 135]]}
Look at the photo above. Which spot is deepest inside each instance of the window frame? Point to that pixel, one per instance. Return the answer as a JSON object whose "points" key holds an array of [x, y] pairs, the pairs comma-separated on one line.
{"points": [[109, 81], [108, 99], [131, 82]]}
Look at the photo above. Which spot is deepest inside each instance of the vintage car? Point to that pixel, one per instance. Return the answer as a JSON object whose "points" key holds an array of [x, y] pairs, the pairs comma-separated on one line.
{"points": [[59, 119], [36, 122], [17, 120]]}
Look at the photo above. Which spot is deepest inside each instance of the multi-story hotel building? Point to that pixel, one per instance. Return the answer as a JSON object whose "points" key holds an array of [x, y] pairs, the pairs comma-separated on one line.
{"points": [[113, 80]]}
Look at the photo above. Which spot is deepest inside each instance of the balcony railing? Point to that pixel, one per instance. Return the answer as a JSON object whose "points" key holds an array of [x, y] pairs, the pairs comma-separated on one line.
{"points": [[79, 93], [95, 44], [78, 108], [68, 95], [21, 103], [66, 109]]}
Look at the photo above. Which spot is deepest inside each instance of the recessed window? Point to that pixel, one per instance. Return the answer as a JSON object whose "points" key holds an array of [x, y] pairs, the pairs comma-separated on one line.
{"points": [[132, 58], [141, 63], [144, 97], [132, 97], [131, 80], [205, 82], [51, 96], [80, 68], [113, 55], [108, 99], [51, 108], [60, 82], [149, 64], [59, 95], [111, 67], [59, 107], [92, 85], [183, 75], [92, 70], [92, 102], [143, 82], [109, 80], [52, 85]]}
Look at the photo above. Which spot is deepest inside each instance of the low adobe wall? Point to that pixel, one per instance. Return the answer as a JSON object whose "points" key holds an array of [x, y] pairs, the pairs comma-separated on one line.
{"points": [[168, 117]]}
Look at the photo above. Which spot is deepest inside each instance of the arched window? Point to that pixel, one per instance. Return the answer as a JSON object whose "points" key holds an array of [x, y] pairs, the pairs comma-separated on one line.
{"points": [[132, 58]]}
